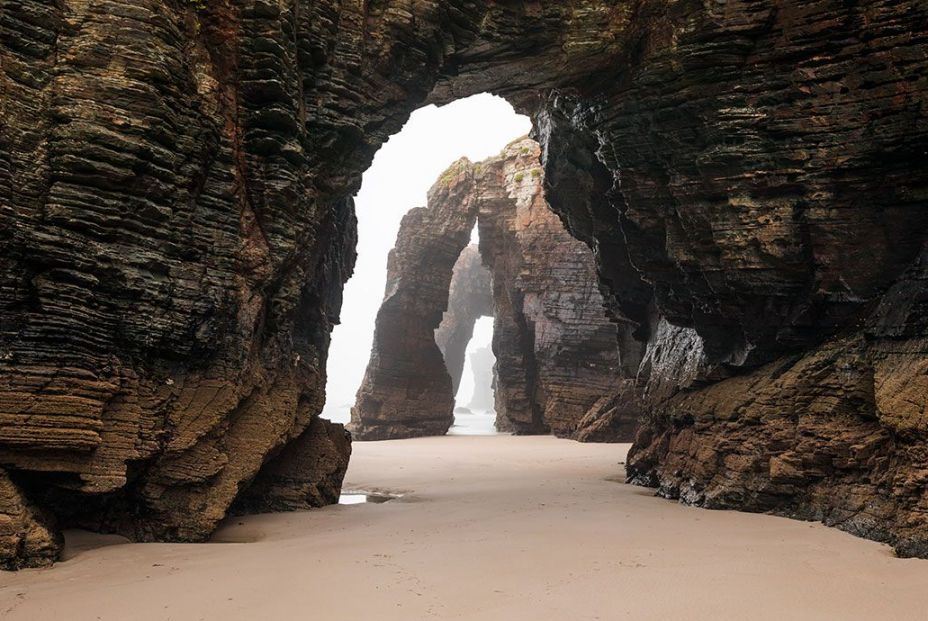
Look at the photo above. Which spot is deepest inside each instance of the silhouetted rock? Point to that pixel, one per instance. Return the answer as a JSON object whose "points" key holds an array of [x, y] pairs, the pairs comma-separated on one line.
{"points": [[470, 298], [482, 362]]}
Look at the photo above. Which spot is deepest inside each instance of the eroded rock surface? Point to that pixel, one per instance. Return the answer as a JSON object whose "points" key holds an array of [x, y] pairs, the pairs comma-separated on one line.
{"points": [[406, 390], [556, 350], [175, 230]]}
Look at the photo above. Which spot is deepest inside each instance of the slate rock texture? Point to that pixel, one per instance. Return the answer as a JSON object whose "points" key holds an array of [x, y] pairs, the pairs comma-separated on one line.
{"points": [[175, 226]]}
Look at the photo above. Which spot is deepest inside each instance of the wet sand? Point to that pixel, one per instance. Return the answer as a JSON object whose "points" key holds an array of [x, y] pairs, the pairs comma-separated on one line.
{"points": [[492, 528]]}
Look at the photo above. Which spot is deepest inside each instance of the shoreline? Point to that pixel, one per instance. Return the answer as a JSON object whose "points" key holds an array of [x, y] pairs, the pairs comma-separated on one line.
{"points": [[488, 527]]}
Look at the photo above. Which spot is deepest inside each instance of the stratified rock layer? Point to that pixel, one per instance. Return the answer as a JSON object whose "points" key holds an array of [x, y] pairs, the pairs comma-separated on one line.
{"points": [[175, 230], [406, 390], [556, 351], [307, 473]]}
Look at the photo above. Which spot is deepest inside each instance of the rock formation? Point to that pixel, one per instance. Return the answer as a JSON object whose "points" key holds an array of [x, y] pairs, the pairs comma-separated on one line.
{"points": [[556, 351], [470, 298], [482, 362], [175, 231], [406, 390]]}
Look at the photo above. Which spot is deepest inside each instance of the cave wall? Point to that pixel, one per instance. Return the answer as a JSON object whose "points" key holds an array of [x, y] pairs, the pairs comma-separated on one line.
{"points": [[175, 230]]}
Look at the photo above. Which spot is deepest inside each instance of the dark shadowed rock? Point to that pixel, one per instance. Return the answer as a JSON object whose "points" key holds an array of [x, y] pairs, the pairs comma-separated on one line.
{"points": [[175, 229]]}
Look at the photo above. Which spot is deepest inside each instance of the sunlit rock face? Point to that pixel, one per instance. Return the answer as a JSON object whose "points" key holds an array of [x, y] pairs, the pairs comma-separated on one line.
{"points": [[175, 230]]}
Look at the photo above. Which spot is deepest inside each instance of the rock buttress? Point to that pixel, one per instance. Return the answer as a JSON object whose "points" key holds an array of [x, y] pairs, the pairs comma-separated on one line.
{"points": [[470, 298], [406, 390], [557, 352]]}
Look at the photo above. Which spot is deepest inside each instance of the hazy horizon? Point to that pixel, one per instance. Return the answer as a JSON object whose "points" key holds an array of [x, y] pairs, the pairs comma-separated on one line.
{"points": [[399, 178]]}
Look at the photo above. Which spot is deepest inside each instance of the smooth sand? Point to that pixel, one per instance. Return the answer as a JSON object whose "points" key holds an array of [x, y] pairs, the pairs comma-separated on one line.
{"points": [[496, 528]]}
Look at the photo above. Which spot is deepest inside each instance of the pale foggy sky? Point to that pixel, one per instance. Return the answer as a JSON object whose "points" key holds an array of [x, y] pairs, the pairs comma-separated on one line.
{"points": [[403, 170]]}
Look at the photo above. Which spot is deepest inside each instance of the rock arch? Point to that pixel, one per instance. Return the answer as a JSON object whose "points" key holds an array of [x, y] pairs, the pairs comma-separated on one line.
{"points": [[557, 354], [176, 230]]}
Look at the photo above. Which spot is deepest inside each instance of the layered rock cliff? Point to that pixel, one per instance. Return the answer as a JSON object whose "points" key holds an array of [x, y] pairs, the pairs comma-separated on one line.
{"points": [[557, 353], [556, 350], [175, 227], [406, 390]]}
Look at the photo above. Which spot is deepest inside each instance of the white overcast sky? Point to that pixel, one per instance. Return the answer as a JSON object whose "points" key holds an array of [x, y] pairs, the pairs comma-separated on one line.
{"points": [[403, 170]]}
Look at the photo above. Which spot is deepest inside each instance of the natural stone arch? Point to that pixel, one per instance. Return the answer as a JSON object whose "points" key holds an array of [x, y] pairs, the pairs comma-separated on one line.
{"points": [[557, 354], [176, 228], [470, 297]]}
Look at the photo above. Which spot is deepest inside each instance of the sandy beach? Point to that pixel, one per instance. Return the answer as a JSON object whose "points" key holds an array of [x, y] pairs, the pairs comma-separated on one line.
{"points": [[488, 527]]}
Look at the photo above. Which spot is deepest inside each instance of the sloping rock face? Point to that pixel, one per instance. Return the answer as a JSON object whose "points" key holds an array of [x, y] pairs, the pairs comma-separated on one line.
{"points": [[174, 208], [835, 434], [556, 350], [470, 298], [406, 390], [307, 473]]}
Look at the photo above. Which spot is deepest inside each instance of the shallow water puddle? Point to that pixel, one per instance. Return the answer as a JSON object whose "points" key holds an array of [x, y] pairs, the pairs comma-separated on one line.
{"points": [[360, 498]]}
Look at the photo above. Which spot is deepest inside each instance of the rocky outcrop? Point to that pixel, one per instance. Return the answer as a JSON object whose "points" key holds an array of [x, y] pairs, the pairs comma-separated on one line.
{"points": [[406, 390], [28, 537], [556, 351], [835, 434], [307, 473], [483, 362], [175, 227], [169, 274], [470, 298]]}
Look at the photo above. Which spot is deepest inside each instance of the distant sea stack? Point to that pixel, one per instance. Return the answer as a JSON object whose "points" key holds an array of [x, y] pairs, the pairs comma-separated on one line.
{"points": [[481, 364]]}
